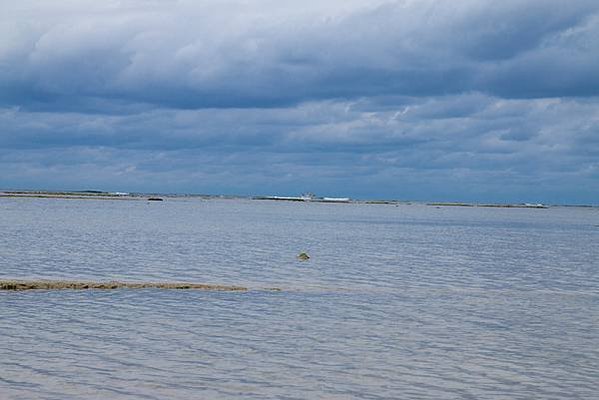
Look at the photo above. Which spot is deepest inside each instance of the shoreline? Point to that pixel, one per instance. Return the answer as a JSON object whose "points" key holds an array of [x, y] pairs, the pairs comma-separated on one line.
{"points": [[97, 195]]}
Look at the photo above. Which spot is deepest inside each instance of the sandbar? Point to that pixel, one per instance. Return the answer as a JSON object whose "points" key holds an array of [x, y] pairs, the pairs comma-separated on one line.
{"points": [[19, 285]]}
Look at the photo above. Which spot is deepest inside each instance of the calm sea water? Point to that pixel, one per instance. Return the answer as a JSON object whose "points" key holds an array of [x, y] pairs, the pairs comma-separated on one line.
{"points": [[408, 302]]}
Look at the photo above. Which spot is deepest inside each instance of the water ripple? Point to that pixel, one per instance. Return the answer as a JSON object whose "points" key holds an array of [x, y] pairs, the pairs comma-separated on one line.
{"points": [[396, 302]]}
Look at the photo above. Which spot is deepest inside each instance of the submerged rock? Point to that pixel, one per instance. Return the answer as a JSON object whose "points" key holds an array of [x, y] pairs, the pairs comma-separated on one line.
{"points": [[303, 256]]}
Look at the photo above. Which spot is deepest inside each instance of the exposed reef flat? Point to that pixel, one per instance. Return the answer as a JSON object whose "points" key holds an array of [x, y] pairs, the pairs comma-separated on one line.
{"points": [[488, 205], [99, 195], [19, 285], [84, 195]]}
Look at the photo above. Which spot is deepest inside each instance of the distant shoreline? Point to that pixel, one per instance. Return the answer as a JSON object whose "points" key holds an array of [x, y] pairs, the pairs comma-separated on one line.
{"points": [[488, 205], [99, 195], [78, 196]]}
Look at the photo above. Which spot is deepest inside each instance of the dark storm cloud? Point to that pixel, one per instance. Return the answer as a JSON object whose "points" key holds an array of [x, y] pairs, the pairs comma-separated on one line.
{"points": [[471, 139]]}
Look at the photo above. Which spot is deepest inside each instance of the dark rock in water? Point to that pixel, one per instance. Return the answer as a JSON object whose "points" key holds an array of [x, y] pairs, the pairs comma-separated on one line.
{"points": [[155, 199], [303, 256]]}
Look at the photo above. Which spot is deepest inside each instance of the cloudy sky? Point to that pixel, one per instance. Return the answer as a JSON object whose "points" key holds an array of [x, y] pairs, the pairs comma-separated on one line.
{"points": [[464, 100]]}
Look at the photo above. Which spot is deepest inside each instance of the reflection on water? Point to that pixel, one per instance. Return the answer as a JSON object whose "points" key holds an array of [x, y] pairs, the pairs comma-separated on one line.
{"points": [[396, 302]]}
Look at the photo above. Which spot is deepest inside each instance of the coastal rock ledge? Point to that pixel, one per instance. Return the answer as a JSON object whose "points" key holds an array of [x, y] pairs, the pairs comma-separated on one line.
{"points": [[18, 285]]}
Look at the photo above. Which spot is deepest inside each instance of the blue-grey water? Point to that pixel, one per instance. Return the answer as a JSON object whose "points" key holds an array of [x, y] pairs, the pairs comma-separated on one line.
{"points": [[407, 302]]}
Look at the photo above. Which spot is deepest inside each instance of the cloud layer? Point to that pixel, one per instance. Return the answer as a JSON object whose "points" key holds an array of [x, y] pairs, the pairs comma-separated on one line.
{"points": [[463, 100]]}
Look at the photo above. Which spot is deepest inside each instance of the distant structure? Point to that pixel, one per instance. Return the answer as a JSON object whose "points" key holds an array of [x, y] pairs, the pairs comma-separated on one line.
{"points": [[307, 197], [335, 199], [535, 205]]}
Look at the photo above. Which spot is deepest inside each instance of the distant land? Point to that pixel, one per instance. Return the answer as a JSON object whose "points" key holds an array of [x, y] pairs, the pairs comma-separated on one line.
{"points": [[107, 195]]}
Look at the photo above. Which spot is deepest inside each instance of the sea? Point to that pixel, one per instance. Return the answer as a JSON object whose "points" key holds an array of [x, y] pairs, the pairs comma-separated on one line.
{"points": [[395, 302]]}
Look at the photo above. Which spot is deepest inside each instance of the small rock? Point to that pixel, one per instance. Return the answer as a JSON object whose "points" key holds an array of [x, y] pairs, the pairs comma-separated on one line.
{"points": [[303, 256]]}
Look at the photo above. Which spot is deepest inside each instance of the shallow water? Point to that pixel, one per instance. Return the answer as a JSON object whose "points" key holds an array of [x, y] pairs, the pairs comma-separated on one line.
{"points": [[408, 302]]}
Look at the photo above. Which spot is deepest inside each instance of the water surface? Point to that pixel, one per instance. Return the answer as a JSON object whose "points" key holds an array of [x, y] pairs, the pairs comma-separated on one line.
{"points": [[408, 302]]}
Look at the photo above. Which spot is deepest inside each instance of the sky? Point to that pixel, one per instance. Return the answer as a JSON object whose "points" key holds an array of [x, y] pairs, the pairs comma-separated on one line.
{"points": [[447, 100]]}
